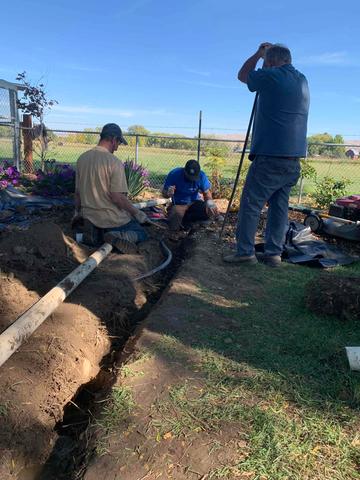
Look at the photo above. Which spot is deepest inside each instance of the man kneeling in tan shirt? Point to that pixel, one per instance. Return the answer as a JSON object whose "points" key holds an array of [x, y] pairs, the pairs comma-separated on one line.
{"points": [[100, 196]]}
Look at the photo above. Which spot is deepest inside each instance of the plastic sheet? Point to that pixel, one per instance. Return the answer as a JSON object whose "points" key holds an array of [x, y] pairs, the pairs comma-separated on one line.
{"points": [[17, 207], [302, 247]]}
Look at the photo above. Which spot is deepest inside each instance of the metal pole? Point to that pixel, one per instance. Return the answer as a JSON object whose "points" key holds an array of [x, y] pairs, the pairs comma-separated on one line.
{"points": [[15, 122], [137, 149], [301, 187], [199, 137], [240, 164]]}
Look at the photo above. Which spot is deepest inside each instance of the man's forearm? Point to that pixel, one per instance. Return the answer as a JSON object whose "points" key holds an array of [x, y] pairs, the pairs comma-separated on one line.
{"points": [[123, 203], [248, 66]]}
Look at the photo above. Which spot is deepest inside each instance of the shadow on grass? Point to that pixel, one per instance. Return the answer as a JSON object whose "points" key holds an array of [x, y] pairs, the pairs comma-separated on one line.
{"points": [[288, 348]]}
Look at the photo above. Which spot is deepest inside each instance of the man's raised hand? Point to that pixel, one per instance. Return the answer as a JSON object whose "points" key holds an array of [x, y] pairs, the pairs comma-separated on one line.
{"points": [[262, 49]]}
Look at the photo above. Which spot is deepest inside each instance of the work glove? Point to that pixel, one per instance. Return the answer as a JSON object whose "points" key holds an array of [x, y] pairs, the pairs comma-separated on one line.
{"points": [[141, 217], [211, 208], [171, 191], [77, 220]]}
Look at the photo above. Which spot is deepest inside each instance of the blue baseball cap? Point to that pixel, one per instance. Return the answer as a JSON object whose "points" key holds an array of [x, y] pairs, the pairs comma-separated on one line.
{"points": [[113, 130]]}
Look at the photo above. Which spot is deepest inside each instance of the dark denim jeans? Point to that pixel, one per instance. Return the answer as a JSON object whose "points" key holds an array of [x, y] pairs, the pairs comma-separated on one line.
{"points": [[269, 180]]}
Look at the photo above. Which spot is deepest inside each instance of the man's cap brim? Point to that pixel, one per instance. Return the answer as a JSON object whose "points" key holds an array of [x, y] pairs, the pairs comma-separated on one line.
{"points": [[193, 178], [122, 140]]}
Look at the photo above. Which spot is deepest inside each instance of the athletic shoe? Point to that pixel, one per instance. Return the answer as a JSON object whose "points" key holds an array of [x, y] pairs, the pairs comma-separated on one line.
{"points": [[121, 246], [240, 259], [269, 260]]}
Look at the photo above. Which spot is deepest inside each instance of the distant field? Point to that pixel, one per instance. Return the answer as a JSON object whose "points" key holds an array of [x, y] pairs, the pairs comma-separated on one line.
{"points": [[159, 161]]}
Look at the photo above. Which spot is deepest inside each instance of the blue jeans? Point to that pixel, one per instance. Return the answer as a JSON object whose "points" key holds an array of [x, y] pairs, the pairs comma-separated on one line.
{"points": [[132, 226], [269, 180]]}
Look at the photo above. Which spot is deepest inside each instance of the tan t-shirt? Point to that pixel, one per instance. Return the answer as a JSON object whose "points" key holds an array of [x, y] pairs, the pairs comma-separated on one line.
{"points": [[99, 172]]}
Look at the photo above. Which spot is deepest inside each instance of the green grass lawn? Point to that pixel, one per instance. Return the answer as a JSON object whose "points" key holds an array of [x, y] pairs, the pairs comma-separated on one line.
{"points": [[161, 161], [261, 364], [280, 371]]}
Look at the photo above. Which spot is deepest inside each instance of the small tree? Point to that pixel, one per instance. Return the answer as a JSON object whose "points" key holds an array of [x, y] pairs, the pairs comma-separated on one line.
{"points": [[215, 160], [137, 130], [322, 149], [35, 102]]}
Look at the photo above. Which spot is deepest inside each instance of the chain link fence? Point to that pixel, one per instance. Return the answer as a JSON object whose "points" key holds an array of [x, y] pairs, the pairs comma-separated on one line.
{"points": [[6, 130], [160, 154]]}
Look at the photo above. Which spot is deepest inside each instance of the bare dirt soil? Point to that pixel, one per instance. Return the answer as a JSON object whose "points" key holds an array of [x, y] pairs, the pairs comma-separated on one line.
{"points": [[68, 349], [337, 296]]}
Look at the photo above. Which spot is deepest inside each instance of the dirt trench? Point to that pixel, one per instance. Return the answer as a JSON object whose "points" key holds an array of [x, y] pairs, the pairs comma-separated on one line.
{"points": [[49, 387]]}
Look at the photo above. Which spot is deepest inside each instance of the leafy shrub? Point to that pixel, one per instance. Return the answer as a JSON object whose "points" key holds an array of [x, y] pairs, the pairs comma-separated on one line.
{"points": [[55, 181], [136, 177], [328, 189], [215, 160], [9, 175], [307, 170]]}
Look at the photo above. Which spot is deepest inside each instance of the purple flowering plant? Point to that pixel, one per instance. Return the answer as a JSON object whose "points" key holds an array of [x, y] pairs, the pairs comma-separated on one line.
{"points": [[9, 175], [56, 180], [136, 177]]}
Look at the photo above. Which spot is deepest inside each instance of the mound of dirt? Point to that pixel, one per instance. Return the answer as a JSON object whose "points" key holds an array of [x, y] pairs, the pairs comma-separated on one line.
{"points": [[72, 345], [339, 296], [14, 299]]}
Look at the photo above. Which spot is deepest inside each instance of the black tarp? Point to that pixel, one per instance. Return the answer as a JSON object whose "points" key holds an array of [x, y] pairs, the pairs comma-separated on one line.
{"points": [[303, 247]]}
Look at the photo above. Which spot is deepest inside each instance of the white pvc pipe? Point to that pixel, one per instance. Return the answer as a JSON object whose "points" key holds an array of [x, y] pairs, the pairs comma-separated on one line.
{"points": [[353, 354], [28, 322], [152, 203]]}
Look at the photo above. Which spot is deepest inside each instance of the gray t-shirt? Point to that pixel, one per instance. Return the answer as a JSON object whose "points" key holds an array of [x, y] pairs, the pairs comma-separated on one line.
{"points": [[280, 122]]}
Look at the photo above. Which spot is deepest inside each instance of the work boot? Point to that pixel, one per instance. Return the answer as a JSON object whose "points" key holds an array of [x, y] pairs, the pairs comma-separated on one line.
{"points": [[269, 260], [120, 244], [240, 259]]}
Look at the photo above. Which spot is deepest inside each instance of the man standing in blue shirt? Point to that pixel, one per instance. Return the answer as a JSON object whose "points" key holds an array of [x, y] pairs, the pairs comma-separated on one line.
{"points": [[184, 185], [278, 143]]}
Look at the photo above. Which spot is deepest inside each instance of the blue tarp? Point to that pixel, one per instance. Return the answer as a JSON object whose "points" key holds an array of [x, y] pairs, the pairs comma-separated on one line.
{"points": [[16, 207]]}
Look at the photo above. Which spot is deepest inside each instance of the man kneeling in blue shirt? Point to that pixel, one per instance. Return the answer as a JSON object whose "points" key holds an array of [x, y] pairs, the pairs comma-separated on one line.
{"points": [[184, 186]]}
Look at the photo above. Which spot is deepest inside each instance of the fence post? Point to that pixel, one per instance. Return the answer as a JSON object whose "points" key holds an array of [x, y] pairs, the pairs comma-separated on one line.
{"points": [[301, 187], [136, 149], [28, 146], [15, 121], [199, 137]]}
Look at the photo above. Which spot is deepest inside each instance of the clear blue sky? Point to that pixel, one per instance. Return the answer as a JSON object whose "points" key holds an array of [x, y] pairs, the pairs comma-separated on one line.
{"points": [[157, 63]]}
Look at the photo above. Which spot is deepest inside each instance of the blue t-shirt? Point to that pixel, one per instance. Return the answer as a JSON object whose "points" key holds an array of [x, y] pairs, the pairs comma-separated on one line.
{"points": [[186, 191], [280, 123]]}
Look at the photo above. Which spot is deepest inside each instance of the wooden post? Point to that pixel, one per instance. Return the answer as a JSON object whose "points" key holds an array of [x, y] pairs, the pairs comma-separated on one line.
{"points": [[28, 145]]}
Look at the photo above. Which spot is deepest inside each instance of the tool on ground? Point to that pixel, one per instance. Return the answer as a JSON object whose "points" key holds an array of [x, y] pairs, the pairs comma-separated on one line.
{"points": [[246, 141], [322, 222]]}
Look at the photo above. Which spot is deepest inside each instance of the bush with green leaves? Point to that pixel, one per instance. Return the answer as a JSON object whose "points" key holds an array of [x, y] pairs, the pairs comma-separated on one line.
{"points": [[307, 170], [328, 189], [136, 177]]}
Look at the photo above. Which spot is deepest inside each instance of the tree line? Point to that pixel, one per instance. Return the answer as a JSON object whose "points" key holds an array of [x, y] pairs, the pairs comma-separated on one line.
{"points": [[319, 144]]}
